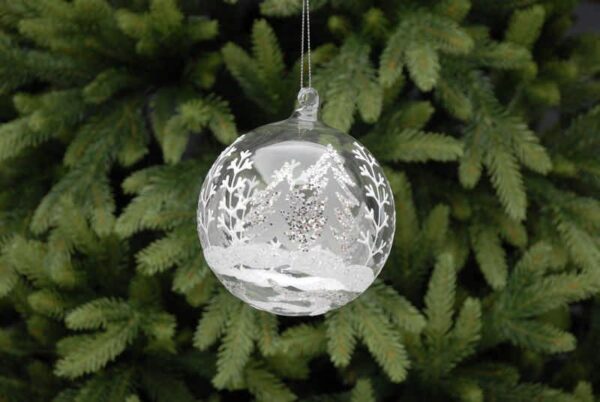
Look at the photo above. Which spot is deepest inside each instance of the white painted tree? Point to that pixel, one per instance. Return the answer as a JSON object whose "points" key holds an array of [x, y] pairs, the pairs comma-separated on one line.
{"points": [[234, 205], [206, 215], [377, 191]]}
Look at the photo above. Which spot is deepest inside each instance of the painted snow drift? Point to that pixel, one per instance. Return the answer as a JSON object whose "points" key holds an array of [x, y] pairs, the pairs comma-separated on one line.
{"points": [[293, 227]]}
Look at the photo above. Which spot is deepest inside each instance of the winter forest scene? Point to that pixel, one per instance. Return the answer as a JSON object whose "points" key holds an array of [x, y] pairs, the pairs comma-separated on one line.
{"points": [[301, 239]]}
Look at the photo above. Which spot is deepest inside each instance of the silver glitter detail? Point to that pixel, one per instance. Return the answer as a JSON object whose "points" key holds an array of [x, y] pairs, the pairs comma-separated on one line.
{"points": [[261, 205], [305, 215], [348, 231]]}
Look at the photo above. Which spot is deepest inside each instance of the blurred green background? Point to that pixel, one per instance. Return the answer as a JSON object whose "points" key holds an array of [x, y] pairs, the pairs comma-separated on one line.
{"points": [[484, 114]]}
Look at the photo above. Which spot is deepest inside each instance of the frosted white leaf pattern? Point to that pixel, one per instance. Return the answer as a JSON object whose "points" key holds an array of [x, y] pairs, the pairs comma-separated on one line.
{"points": [[205, 214], [377, 190], [295, 227], [238, 193]]}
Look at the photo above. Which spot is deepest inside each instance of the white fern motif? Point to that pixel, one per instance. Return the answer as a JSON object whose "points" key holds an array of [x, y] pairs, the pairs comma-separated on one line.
{"points": [[237, 195], [376, 190], [206, 215]]}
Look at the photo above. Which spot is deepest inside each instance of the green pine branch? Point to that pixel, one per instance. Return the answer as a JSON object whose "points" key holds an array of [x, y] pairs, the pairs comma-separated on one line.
{"points": [[416, 43], [84, 354], [500, 142], [347, 84], [413, 146], [214, 320], [574, 222], [380, 307], [362, 392], [266, 386], [157, 205], [446, 341], [192, 117], [341, 337], [490, 255], [100, 268], [43, 118], [236, 348], [530, 292], [525, 26], [261, 75], [175, 247]]}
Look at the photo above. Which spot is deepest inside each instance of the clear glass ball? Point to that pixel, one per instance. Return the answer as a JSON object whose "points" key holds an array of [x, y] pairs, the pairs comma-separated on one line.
{"points": [[296, 218]]}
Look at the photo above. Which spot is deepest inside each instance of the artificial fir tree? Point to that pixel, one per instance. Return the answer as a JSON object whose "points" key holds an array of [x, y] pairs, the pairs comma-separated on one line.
{"points": [[484, 112]]}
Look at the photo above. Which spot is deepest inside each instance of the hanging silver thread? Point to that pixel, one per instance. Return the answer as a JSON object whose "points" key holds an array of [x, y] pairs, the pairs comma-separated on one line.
{"points": [[308, 37], [305, 32]]}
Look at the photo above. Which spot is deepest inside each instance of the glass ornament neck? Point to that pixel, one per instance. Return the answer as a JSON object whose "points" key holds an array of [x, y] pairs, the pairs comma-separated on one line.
{"points": [[308, 97], [308, 105]]}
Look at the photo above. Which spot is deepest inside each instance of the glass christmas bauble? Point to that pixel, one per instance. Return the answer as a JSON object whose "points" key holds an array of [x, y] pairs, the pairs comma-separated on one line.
{"points": [[296, 218]]}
